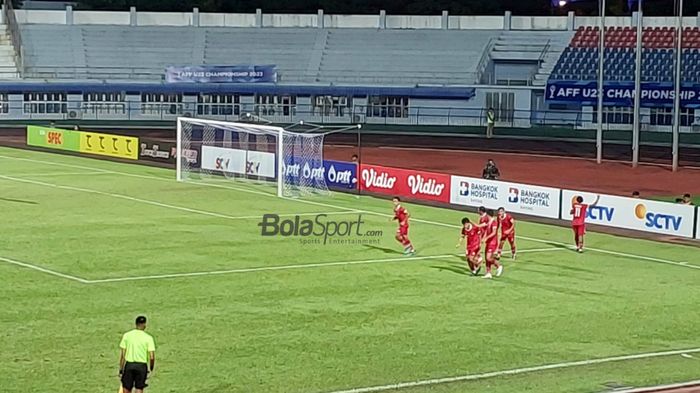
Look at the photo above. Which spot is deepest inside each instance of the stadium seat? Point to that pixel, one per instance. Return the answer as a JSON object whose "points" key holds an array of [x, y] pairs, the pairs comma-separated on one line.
{"points": [[658, 56]]}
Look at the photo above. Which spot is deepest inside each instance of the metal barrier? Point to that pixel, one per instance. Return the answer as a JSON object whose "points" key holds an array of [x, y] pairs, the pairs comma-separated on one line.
{"points": [[455, 121]]}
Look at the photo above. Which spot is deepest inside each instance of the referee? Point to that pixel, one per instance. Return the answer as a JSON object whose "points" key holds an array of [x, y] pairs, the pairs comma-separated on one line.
{"points": [[138, 352]]}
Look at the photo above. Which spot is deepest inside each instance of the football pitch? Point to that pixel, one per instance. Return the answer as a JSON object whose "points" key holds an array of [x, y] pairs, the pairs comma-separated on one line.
{"points": [[89, 244]]}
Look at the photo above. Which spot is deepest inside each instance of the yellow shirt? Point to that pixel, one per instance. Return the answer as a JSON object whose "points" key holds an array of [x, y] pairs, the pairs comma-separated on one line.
{"points": [[137, 344]]}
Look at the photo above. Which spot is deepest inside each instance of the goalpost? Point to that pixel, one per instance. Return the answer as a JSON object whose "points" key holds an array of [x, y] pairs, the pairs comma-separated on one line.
{"points": [[242, 152]]}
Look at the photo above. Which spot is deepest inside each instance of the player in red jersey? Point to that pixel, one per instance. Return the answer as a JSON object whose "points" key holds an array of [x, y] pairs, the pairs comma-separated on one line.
{"points": [[491, 241], [578, 223], [483, 220], [473, 235], [402, 216], [507, 224]]}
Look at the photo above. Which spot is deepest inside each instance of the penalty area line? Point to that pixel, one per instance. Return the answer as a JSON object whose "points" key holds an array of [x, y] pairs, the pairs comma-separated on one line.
{"points": [[515, 371], [44, 270], [293, 267], [165, 205]]}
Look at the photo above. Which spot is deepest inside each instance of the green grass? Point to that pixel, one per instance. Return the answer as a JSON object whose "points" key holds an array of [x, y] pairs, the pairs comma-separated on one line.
{"points": [[316, 329]]}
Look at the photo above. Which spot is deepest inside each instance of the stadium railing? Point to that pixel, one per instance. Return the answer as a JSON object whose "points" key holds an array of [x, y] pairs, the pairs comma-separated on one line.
{"points": [[431, 120], [93, 72]]}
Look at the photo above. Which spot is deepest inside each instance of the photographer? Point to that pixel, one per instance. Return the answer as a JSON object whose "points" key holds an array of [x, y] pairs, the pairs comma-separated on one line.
{"points": [[491, 171]]}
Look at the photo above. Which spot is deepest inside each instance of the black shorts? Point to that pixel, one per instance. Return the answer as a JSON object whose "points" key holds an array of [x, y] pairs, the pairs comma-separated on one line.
{"points": [[134, 376]]}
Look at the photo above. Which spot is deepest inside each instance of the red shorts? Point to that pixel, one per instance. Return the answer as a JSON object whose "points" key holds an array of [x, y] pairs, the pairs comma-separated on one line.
{"points": [[579, 230], [473, 252], [510, 237], [402, 230], [492, 247]]}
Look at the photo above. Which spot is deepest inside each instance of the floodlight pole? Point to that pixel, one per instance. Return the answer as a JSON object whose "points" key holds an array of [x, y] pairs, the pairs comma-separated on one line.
{"points": [[677, 87], [637, 87], [601, 59]]}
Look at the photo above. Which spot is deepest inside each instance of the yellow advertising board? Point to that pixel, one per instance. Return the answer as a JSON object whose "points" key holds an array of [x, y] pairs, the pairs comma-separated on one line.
{"points": [[109, 145]]}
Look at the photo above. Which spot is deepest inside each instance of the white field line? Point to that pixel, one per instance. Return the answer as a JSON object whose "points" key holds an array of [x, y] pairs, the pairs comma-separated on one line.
{"points": [[675, 386], [268, 268], [59, 174], [251, 269], [44, 270], [159, 204], [621, 254], [515, 371], [127, 174]]}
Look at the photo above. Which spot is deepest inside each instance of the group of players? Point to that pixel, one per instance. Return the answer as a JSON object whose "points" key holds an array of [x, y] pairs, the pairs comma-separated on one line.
{"points": [[487, 232]]}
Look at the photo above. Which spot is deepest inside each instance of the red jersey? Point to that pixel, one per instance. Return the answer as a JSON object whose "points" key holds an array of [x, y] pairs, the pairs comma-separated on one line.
{"points": [[579, 212], [473, 237], [483, 219], [401, 214], [492, 229], [506, 222]]}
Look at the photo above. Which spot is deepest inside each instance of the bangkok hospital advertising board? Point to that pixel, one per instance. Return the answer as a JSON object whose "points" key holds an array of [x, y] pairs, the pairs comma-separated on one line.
{"points": [[514, 197]]}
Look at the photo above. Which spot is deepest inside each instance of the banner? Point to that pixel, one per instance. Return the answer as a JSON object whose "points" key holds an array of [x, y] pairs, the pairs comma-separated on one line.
{"points": [[242, 162], [340, 174], [158, 151], [53, 138], [405, 183], [109, 145], [621, 93], [260, 163], [632, 213], [514, 197], [222, 74], [697, 220], [336, 174]]}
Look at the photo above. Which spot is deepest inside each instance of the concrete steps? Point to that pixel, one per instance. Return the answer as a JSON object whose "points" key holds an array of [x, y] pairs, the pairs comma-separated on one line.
{"points": [[8, 67]]}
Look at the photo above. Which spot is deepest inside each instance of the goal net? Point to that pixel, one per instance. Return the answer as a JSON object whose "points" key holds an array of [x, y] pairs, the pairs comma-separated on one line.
{"points": [[211, 150]]}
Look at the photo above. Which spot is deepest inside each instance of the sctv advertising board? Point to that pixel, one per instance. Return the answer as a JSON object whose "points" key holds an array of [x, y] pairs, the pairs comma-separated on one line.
{"points": [[631, 213], [244, 162], [514, 197]]}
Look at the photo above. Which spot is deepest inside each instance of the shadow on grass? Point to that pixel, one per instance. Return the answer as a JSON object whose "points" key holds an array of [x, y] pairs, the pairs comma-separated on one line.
{"points": [[456, 265], [559, 245], [452, 268], [384, 249], [26, 202], [571, 268], [552, 288], [531, 268]]}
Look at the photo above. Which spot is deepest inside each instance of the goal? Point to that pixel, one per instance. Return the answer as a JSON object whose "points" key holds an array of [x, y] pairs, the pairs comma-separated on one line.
{"points": [[251, 153]]}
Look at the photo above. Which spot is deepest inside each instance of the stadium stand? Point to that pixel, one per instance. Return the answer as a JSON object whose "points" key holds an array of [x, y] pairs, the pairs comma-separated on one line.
{"points": [[403, 56], [579, 61], [541, 47], [389, 57], [8, 68]]}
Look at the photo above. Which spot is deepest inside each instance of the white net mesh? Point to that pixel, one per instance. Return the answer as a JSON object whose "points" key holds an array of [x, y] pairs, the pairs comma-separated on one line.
{"points": [[304, 171], [215, 150]]}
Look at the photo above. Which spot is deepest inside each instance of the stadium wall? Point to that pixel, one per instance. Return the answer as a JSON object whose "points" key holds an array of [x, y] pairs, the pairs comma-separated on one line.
{"points": [[321, 20]]}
